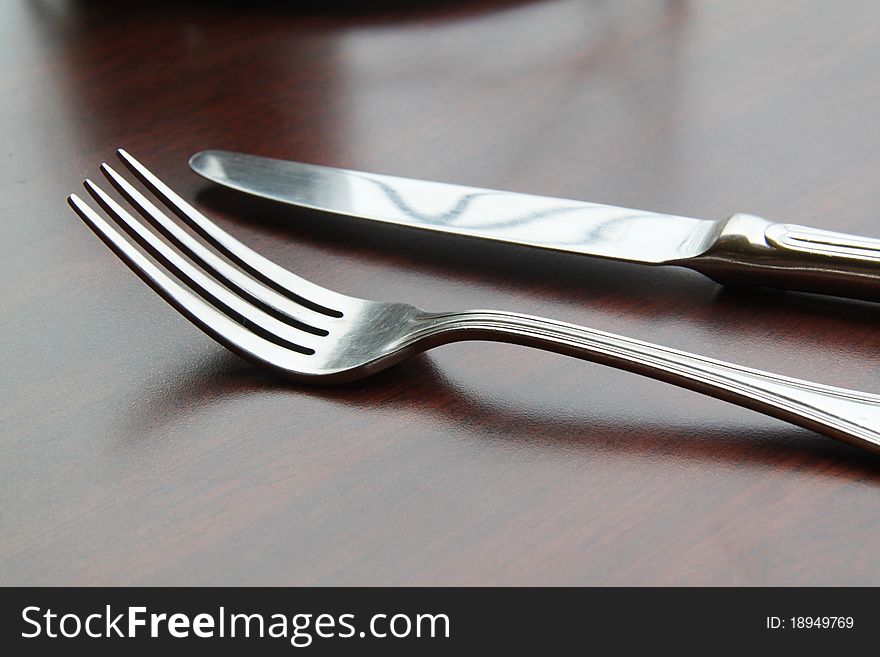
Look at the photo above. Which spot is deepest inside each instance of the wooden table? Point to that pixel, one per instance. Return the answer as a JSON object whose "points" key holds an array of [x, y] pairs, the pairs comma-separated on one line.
{"points": [[134, 450]]}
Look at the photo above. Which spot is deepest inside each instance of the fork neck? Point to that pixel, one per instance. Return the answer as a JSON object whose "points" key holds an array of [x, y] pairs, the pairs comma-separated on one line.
{"points": [[847, 415]]}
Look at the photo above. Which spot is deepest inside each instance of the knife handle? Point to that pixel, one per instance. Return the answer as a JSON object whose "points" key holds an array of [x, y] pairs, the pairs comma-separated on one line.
{"points": [[753, 251]]}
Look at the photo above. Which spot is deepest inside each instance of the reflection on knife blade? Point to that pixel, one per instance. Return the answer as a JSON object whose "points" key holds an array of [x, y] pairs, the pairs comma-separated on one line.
{"points": [[741, 249]]}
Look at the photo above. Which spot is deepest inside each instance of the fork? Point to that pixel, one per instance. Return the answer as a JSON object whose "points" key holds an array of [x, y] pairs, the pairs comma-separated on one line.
{"points": [[310, 334]]}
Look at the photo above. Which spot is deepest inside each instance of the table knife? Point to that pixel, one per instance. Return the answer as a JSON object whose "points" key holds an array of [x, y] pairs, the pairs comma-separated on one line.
{"points": [[742, 249]]}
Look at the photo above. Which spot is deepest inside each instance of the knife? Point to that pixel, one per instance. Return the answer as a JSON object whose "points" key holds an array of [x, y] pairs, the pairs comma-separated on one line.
{"points": [[743, 249]]}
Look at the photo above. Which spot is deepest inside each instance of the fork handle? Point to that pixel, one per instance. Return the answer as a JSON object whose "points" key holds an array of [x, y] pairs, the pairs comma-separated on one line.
{"points": [[847, 415], [751, 250]]}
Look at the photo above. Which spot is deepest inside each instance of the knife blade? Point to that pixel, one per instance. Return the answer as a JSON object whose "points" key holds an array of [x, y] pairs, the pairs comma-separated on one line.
{"points": [[742, 249]]}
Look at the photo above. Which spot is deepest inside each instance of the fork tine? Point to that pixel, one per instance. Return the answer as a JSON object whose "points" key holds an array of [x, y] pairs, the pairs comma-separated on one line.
{"points": [[255, 292], [222, 328], [302, 291], [259, 322]]}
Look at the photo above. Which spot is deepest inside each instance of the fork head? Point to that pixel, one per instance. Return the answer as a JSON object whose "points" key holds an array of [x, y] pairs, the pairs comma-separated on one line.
{"points": [[249, 304]]}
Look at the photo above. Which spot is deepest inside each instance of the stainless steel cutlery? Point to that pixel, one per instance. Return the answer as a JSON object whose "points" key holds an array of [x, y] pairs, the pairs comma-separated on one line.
{"points": [[309, 333], [742, 249]]}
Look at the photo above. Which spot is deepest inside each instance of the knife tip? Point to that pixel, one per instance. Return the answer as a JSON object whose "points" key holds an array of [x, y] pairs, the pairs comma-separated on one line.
{"points": [[201, 161], [209, 163]]}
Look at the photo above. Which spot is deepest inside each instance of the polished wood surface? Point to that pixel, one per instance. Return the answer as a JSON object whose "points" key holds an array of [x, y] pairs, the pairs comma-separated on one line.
{"points": [[134, 450]]}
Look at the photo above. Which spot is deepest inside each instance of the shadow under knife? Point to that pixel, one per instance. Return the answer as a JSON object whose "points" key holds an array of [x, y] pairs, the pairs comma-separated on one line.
{"points": [[637, 290]]}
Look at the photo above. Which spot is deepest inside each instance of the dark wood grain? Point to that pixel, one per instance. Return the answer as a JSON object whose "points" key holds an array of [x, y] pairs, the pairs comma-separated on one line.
{"points": [[134, 450]]}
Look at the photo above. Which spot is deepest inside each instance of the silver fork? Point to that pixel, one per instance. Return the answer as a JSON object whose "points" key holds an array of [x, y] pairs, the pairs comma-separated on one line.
{"points": [[308, 333]]}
